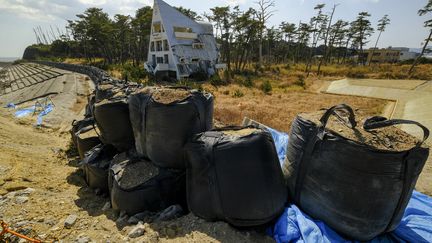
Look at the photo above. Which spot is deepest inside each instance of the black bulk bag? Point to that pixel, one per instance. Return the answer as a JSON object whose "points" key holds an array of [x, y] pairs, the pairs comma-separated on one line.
{"points": [[357, 189], [162, 129], [105, 91], [96, 165], [138, 186], [112, 119], [91, 100], [86, 139], [78, 125], [235, 178]]}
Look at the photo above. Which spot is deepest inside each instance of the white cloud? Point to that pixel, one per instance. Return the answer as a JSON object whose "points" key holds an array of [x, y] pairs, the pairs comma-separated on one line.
{"points": [[93, 2], [33, 9], [50, 10], [235, 2]]}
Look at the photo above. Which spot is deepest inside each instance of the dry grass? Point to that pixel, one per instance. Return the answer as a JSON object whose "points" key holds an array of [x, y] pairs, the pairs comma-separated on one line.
{"points": [[279, 109]]}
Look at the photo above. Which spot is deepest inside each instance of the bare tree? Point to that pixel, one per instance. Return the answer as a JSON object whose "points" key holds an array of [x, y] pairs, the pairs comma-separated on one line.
{"points": [[428, 24], [382, 24], [263, 14], [326, 52]]}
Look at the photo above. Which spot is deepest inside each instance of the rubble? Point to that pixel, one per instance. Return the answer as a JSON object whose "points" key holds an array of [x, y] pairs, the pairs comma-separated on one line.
{"points": [[137, 231], [70, 221]]}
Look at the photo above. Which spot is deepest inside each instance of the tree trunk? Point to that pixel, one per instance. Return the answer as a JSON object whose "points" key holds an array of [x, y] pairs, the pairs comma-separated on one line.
{"points": [[421, 54], [373, 51], [346, 50], [325, 41]]}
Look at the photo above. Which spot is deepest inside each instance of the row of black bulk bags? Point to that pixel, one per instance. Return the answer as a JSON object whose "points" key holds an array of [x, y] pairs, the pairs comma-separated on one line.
{"points": [[112, 119], [137, 186], [84, 136], [96, 166], [87, 138], [358, 190], [78, 125], [162, 128], [234, 174]]}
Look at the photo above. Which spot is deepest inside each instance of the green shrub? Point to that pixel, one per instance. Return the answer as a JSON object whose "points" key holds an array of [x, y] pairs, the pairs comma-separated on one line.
{"points": [[133, 73], [248, 82], [266, 87], [215, 80], [300, 81], [355, 74], [238, 93]]}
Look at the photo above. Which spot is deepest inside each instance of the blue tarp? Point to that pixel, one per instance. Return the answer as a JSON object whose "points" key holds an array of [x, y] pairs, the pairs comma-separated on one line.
{"points": [[281, 141], [47, 109], [296, 226], [30, 110], [25, 112]]}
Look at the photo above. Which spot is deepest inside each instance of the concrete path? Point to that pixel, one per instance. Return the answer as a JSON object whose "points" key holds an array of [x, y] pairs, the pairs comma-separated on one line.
{"points": [[413, 98]]}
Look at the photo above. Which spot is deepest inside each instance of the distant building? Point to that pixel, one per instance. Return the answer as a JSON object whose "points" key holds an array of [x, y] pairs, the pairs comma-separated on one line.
{"points": [[382, 55], [405, 53], [389, 55], [180, 46]]}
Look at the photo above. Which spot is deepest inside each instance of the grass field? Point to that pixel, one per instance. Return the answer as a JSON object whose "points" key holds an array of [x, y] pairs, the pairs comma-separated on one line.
{"points": [[233, 103], [275, 94]]}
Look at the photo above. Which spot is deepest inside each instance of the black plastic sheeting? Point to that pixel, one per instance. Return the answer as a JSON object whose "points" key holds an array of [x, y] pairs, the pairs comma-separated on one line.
{"points": [[96, 165], [112, 119], [357, 190], [162, 130], [86, 143], [167, 188], [236, 179]]}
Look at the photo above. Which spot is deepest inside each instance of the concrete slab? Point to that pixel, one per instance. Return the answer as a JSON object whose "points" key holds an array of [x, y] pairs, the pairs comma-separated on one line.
{"points": [[387, 83]]}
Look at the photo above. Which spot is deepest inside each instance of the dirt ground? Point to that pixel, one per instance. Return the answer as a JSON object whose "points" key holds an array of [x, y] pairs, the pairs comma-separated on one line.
{"points": [[40, 184]]}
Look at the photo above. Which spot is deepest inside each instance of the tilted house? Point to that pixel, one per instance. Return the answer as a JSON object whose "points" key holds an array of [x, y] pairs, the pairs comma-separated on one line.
{"points": [[180, 46]]}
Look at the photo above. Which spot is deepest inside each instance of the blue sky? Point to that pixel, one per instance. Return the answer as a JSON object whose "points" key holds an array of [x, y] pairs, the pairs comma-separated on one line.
{"points": [[19, 17]]}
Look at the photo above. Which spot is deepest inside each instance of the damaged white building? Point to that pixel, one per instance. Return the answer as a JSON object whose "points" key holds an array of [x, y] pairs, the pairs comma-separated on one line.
{"points": [[180, 46]]}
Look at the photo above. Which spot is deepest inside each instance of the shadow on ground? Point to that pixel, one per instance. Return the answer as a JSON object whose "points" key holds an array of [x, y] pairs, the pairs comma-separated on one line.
{"points": [[183, 226]]}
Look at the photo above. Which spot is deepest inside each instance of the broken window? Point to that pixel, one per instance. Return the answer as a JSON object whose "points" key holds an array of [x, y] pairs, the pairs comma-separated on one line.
{"points": [[157, 27], [198, 45], [182, 69], [158, 45], [182, 29], [165, 45]]}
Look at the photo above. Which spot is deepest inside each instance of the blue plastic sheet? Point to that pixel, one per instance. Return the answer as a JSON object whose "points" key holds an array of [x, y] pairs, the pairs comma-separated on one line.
{"points": [[31, 110], [47, 109], [296, 226], [11, 106], [25, 112], [281, 141]]}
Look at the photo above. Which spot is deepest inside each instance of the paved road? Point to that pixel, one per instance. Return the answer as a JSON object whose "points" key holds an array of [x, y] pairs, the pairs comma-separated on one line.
{"points": [[414, 99]]}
